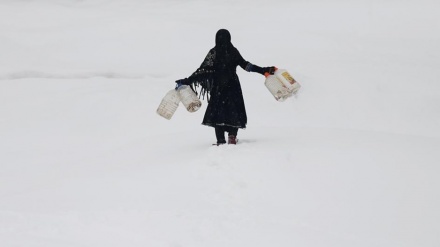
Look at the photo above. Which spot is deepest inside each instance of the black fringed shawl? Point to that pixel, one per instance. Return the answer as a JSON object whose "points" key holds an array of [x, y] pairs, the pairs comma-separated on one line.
{"points": [[203, 77]]}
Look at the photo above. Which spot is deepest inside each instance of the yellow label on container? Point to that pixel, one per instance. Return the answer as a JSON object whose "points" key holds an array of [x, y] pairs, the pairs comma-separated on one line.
{"points": [[288, 77]]}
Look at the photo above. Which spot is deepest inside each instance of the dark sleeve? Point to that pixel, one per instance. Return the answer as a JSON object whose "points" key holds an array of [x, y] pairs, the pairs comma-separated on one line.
{"points": [[249, 67]]}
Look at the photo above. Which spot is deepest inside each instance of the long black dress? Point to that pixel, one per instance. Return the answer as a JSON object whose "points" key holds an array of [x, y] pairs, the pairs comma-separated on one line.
{"points": [[218, 78]]}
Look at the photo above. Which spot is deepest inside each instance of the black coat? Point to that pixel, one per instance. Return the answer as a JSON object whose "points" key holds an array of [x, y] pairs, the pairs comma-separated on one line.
{"points": [[217, 76]]}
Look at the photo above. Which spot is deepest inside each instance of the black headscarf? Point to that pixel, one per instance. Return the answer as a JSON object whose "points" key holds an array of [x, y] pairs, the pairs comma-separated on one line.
{"points": [[223, 38], [223, 47]]}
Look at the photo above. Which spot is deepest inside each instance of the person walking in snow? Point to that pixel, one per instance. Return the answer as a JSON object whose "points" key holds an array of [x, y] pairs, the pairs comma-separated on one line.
{"points": [[218, 79]]}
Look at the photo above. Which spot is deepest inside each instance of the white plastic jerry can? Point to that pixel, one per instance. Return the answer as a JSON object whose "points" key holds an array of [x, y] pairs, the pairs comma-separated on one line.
{"points": [[189, 98], [279, 91], [169, 104], [287, 80]]}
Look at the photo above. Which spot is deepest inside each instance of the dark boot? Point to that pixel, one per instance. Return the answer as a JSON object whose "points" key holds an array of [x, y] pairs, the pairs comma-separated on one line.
{"points": [[219, 143], [220, 135], [232, 139]]}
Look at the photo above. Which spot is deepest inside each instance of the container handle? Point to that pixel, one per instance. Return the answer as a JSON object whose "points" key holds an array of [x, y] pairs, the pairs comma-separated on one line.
{"points": [[266, 74]]}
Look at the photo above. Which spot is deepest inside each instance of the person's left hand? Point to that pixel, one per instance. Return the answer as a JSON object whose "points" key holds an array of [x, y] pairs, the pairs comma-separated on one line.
{"points": [[270, 70], [181, 82]]}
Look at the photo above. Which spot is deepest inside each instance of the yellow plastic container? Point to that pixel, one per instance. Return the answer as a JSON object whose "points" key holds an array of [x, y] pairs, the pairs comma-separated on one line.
{"points": [[287, 80], [277, 88]]}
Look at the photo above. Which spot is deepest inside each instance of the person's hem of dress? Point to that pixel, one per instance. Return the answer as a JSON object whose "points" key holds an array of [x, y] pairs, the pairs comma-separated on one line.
{"points": [[223, 124]]}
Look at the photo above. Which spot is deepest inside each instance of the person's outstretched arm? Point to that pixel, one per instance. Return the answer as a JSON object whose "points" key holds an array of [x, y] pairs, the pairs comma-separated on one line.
{"points": [[249, 67]]}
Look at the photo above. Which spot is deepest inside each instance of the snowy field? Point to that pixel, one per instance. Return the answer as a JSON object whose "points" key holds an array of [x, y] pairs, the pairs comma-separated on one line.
{"points": [[353, 161]]}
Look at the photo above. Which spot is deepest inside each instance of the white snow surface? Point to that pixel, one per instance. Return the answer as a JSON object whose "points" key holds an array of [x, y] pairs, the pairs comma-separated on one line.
{"points": [[85, 161]]}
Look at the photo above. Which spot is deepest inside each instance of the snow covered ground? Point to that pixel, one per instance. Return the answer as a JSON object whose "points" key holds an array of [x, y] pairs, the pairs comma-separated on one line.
{"points": [[86, 161]]}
